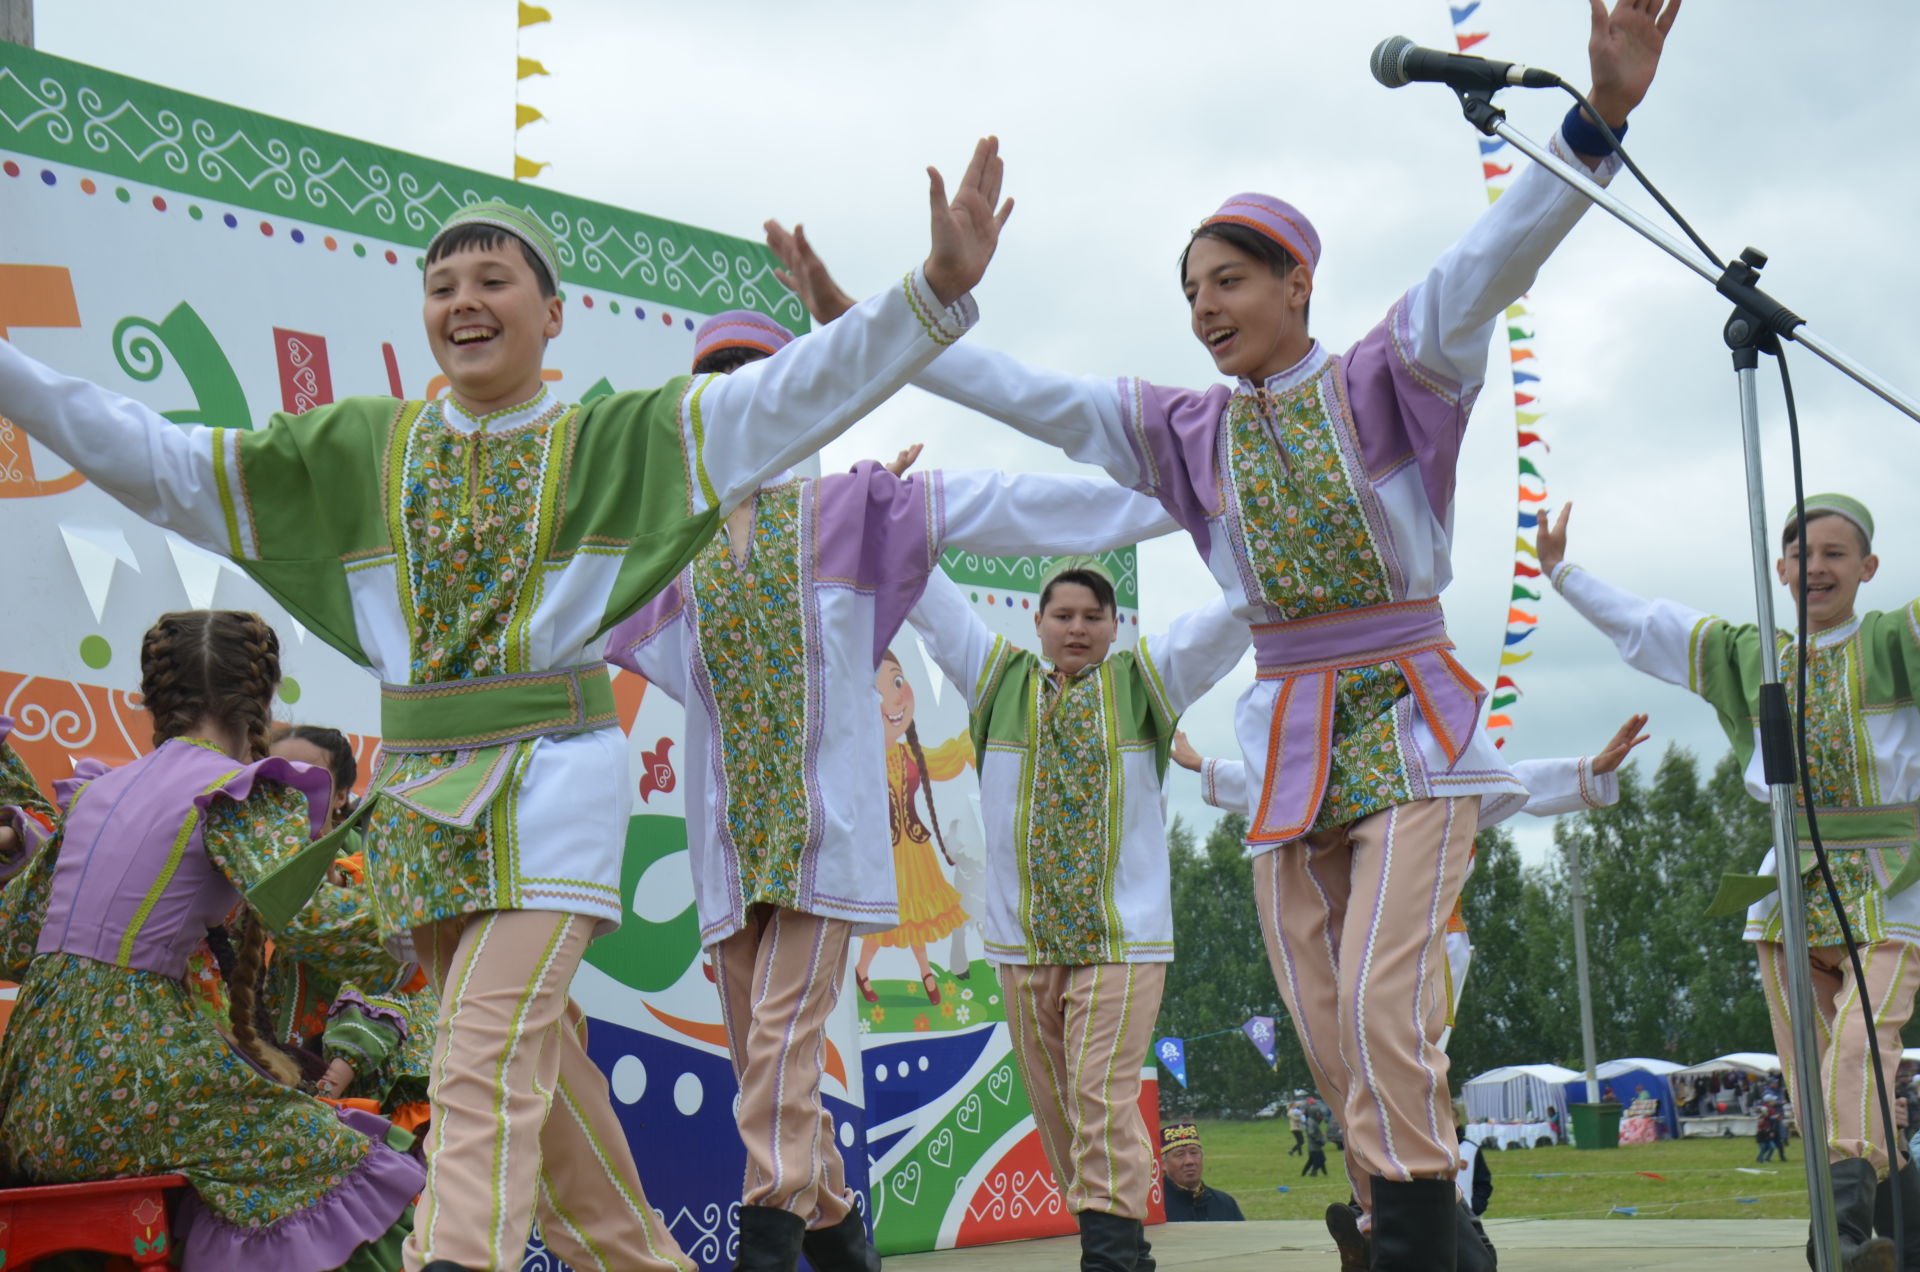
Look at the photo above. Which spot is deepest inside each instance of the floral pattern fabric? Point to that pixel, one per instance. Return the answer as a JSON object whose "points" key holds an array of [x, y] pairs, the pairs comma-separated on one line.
{"points": [[753, 647], [1368, 772], [1067, 855], [18, 789]]}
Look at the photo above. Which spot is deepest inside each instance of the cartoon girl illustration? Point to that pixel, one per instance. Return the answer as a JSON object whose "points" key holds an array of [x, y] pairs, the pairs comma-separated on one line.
{"points": [[929, 905]]}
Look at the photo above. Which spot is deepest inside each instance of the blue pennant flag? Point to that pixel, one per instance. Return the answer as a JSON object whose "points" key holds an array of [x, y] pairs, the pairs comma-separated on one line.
{"points": [[1514, 638], [1462, 12], [1525, 377], [1172, 1052], [1529, 520], [1489, 146], [1259, 1031]]}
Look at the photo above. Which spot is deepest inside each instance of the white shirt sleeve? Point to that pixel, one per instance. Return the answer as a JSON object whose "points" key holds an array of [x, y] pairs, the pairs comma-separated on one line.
{"points": [[1041, 514], [158, 469], [1079, 414], [959, 643], [653, 643], [1223, 783], [770, 414], [1192, 655], [1657, 637], [1453, 309], [1566, 785]]}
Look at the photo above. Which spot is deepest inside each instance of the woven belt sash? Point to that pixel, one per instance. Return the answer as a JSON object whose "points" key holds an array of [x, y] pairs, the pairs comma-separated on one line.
{"points": [[484, 720], [1306, 657], [1882, 832]]}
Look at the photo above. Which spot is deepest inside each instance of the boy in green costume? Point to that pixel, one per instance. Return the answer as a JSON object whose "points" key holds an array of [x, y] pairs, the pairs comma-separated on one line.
{"points": [[472, 553], [1863, 741]]}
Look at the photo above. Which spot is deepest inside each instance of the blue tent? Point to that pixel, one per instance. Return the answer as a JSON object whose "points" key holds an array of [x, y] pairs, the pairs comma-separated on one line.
{"points": [[1625, 1078]]}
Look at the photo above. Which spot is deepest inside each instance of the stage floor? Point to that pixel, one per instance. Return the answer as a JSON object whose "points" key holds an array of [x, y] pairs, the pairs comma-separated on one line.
{"points": [[1525, 1245]]}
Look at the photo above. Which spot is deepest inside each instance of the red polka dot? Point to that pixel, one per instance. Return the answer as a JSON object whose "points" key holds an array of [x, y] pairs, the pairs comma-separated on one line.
{"points": [[587, 301], [159, 204], [87, 186], [666, 318], [11, 168], [266, 228], [332, 243], [391, 258], [989, 598]]}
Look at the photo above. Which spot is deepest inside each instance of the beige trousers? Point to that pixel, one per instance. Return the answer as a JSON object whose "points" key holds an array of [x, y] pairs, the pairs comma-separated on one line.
{"points": [[779, 979], [1080, 1036], [1854, 1125], [1355, 921], [522, 1125]]}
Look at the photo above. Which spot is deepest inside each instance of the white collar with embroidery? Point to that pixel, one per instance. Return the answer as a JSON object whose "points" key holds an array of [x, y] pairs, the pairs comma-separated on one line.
{"points": [[1835, 635], [498, 421], [1305, 369]]}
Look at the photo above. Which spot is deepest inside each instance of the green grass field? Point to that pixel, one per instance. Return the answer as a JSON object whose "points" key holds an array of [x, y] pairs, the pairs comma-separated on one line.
{"points": [[1699, 1179]]}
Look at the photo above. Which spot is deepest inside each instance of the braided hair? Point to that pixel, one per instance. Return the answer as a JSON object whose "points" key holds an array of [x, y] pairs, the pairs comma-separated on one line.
{"points": [[333, 744], [222, 665], [926, 777]]}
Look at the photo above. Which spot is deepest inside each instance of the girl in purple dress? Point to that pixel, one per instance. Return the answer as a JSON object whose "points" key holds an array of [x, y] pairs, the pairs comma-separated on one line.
{"points": [[106, 1069]]}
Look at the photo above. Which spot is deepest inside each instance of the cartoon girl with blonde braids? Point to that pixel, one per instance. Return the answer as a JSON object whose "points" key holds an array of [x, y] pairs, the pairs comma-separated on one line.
{"points": [[929, 905]]}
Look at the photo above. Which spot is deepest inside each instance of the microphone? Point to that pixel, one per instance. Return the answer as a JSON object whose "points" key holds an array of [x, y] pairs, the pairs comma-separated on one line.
{"points": [[1398, 61]]}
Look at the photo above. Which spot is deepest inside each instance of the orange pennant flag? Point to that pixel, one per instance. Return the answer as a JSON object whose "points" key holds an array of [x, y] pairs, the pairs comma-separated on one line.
{"points": [[1516, 615], [1501, 721], [1521, 355]]}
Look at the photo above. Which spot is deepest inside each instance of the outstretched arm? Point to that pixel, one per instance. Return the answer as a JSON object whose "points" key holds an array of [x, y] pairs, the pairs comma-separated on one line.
{"points": [[1194, 654], [766, 416], [1042, 514], [1223, 783], [1574, 785], [967, 653]]}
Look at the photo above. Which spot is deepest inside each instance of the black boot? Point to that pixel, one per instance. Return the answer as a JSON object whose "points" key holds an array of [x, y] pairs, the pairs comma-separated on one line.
{"points": [[1413, 1225], [1854, 1186], [1908, 1181], [841, 1248], [1343, 1224], [1108, 1242], [1472, 1251], [769, 1240], [1143, 1260]]}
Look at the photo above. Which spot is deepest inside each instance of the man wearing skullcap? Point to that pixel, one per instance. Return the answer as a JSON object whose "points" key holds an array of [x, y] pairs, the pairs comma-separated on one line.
{"points": [[1182, 1162], [1319, 489], [1863, 749], [771, 638], [472, 552], [1072, 747]]}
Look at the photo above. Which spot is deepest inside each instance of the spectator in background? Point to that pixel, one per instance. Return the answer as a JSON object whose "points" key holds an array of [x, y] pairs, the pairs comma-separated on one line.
{"points": [[1297, 1119], [1765, 1130], [1182, 1162], [1316, 1147], [1553, 1122]]}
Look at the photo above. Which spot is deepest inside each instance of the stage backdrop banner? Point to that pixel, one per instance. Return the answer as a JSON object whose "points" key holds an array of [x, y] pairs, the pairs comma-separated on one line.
{"points": [[221, 265]]}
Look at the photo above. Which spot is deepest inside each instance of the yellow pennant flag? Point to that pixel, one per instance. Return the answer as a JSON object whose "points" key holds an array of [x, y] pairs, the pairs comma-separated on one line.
{"points": [[1508, 658], [524, 114], [526, 169], [1528, 419], [530, 67], [1493, 195], [1521, 545], [1516, 310], [533, 13]]}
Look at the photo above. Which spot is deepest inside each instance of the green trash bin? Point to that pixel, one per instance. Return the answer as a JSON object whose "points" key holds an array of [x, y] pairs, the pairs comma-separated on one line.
{"points": [[1595, 1125]]}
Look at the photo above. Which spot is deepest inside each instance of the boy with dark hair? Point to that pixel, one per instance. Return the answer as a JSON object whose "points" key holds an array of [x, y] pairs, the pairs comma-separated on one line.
{"points": [[473, 552], [1863, 743]]}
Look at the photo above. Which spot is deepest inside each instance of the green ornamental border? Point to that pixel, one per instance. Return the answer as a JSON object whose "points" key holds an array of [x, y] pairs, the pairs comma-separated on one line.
{"points": [[72, 113], [1026, 574]]}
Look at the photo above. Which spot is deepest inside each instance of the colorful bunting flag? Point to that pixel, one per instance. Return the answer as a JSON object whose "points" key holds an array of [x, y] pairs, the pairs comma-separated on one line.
{"points": [[1259, 1031], [1172, 1053], [525, 169]]}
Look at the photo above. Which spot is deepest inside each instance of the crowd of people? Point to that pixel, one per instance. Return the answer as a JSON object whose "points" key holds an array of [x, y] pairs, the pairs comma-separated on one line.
{"points": [[487, 554]]}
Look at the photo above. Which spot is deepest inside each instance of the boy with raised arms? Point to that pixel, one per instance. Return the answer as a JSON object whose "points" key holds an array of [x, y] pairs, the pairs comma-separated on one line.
{"points": [[472, 553]]}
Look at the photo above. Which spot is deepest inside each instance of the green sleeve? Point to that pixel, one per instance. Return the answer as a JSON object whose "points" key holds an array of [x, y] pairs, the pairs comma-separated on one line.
{"points": [[1892, 641], [629, 494], [19, 790], [1724, 669], [368, 1032], [336, 934], [306, 497]]}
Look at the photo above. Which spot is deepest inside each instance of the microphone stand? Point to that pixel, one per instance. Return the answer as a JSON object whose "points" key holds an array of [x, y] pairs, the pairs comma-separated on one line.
{"points": [[1755, 327]]}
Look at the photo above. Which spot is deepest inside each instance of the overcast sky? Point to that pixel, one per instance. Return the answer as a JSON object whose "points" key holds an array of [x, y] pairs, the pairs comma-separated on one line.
{"points": [[1123, 125]]}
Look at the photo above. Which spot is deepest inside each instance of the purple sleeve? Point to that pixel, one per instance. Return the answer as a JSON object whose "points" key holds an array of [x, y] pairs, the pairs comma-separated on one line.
{"points": [[1175, 435], [1404, 411], [630, 636], [879, 533]]}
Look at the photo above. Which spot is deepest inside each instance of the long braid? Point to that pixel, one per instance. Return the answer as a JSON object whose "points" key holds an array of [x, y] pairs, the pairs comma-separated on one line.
{"points": [[926, 787], [223, 664]]}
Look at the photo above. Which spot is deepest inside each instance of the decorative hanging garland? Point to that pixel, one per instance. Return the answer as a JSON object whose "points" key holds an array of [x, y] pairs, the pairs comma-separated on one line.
{"points": [[525, 169]]}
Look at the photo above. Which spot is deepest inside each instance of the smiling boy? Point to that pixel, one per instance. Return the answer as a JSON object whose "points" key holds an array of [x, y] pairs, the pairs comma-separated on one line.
{"points": [[1072, 745], [472, 552], [1863, 737]]}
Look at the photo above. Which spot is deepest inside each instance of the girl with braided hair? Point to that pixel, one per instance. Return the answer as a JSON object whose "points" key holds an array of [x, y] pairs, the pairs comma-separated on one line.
{"points": [[106, 1069]]}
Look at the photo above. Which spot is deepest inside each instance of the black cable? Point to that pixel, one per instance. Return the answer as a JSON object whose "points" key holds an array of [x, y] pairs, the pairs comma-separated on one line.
{"points": [[1805, 774], [1641, 177]]}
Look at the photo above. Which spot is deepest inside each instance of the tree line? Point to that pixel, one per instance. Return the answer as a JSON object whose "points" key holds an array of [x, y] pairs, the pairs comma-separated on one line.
{"points": [[1667, 981]]}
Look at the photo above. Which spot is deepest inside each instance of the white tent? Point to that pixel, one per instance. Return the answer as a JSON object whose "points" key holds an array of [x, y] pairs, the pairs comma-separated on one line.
{"points": [[1614, 1068], [1518, 1093], [1760, 1062]]}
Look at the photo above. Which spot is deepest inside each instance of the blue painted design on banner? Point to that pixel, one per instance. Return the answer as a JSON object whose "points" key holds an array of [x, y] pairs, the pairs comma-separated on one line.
{"points": [[934, 1064]]}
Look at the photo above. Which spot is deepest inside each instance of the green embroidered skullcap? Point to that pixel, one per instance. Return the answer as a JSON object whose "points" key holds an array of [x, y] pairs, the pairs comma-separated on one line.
{"points": [[1065, 564], [1838, 505], [518, 222]]}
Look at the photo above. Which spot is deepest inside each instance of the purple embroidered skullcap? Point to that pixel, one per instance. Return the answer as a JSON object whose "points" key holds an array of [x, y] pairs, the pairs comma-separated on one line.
{"points": [[1275, 218], [739, 329]]}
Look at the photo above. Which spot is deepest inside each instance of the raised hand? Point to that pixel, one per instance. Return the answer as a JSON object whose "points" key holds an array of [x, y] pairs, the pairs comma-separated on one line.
{"points": [[966, 229], [1628, 737], [806, 274], [1551, 543], [1183, 753], [1623, 51], [904, 460]]}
